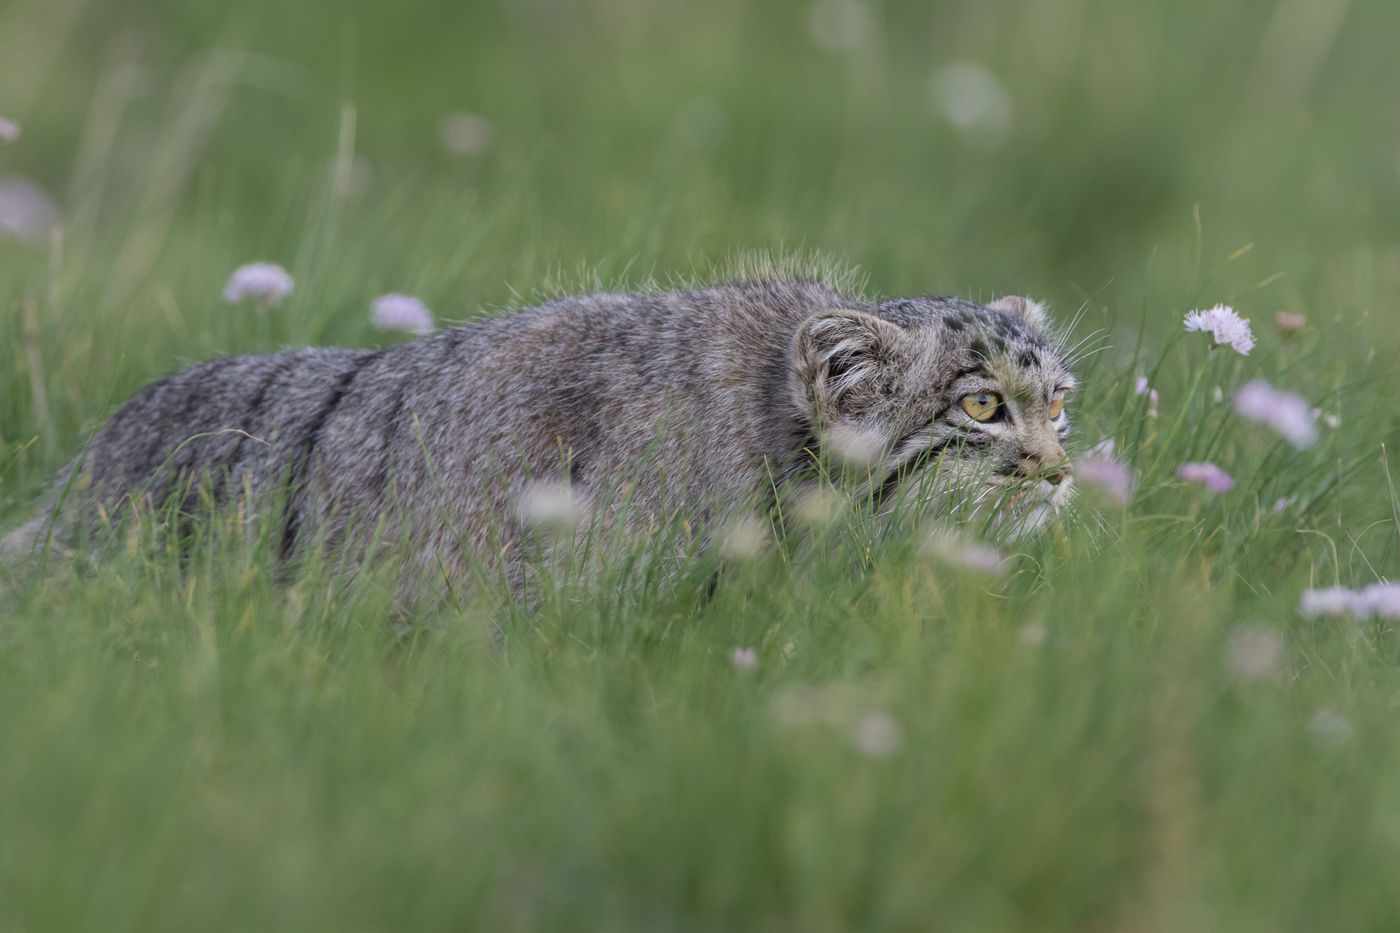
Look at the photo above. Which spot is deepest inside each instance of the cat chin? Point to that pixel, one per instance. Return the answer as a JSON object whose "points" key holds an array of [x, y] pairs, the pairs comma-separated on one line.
{"points": [[1026, 509], [999, 507]]}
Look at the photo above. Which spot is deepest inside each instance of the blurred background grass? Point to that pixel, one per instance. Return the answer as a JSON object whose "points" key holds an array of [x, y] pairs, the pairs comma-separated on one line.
{"points": [[198, 747], [1090, 154]]}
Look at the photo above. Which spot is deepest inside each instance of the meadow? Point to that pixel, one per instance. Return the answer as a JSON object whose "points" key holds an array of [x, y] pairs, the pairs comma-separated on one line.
{"points": [[1153, 716]]}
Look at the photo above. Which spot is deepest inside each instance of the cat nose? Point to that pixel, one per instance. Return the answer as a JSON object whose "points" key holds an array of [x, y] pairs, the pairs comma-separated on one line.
{"points": [[1054, 470]]}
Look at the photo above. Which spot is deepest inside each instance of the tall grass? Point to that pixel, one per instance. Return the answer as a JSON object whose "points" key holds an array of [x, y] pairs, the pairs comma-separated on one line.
{"points": [[1128, 724]]}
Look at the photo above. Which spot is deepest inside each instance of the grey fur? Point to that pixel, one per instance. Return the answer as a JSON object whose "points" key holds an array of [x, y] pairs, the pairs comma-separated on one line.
{"points": [[700, 403]]}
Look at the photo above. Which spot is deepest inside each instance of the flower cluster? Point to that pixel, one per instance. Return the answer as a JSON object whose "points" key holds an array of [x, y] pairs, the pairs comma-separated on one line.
{"points": [[265, 282], [1114, 479], [1206, 474], [25, 211], [1286, 413], [1381, 600], [401, 312], [745, 659], [9, 130], [1225, 327]]}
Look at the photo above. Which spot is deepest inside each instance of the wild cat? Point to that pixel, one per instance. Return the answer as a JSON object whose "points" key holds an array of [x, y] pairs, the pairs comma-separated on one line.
{"points": [[704, 404]]}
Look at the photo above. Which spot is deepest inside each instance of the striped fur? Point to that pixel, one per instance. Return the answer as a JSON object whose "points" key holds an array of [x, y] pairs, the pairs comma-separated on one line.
{"points": [[698, 403]]}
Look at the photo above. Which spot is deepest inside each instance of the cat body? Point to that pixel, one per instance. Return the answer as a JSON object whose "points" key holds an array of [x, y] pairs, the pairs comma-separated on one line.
{"points": [[700, 403]]}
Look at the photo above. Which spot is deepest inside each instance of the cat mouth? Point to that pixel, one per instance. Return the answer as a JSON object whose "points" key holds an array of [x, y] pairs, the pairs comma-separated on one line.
{"points": [[1026, 494], [1025, 505]]}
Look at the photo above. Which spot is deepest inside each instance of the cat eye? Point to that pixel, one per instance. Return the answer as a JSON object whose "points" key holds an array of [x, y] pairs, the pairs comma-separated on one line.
{"points": [[1057, 406], [982, 406]]}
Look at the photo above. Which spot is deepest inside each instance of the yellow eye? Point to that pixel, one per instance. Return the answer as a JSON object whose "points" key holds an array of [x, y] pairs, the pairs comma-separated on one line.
{"points": [[981, 406], [1057, 405]]}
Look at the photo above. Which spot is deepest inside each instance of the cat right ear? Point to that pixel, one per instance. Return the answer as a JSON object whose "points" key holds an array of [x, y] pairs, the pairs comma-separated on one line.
{"points": [[1023, 309], [845, 361]]}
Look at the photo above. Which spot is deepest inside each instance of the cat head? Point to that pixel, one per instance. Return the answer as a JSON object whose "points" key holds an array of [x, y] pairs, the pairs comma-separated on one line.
{"points": [[963, 405]]}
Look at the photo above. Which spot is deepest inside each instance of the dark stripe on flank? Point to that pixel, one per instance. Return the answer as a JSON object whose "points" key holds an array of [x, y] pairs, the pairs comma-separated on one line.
{"points": [[305, 448], [393, 424], [193, 396], [252, 420]]}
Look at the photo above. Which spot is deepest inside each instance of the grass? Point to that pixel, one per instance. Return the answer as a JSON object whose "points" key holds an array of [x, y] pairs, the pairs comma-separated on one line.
{"points": [[1077, 744]]}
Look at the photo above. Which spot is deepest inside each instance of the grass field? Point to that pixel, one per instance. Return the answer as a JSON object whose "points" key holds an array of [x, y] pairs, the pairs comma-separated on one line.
{"points": [[1130, 726]]}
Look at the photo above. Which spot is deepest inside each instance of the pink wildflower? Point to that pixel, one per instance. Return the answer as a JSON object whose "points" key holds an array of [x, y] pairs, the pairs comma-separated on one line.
{"points": [[1379, 599], [265, 282], [1206, 474], [1283, 411], [1142, 388], [1111, 477], [9, 130], [1289, 324], [1224, 326], [401, 312], [25, 211], [1330, 601]]}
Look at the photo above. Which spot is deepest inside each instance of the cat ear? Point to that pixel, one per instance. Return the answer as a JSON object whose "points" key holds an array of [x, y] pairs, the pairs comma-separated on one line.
{"points": [[845, 360], [1023, 309]]}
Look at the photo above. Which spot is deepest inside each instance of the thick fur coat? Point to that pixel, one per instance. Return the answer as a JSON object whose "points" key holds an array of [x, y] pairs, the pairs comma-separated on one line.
{"points": [[697, 403]]}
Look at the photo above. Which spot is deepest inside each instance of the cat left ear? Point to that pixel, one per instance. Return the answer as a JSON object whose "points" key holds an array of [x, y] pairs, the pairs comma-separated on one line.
{"points": [[1023, 309], [843, 359]]}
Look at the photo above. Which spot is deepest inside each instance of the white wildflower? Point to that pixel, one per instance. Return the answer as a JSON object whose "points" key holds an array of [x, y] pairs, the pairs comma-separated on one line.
{"points": [[876, 735], [1287, 414], [1381, 600], [1113, 479], [743, 538], [854, 446], [265, 282], [1254, 652], [551, 507], [961, 551], [1328, 601], [25, 211], [1225, 327], [464, 134], [1326, 724], [816, 506], [971, 97], [744, 659], [1328, 419], [401, 312], [1032, 635]]}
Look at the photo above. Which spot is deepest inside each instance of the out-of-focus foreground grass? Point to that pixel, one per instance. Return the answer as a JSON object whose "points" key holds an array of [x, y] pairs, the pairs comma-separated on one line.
{"points": [[1129, 726]]}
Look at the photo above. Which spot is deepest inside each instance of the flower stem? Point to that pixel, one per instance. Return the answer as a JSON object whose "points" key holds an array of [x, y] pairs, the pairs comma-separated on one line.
{"points": [[1181, 415]]}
